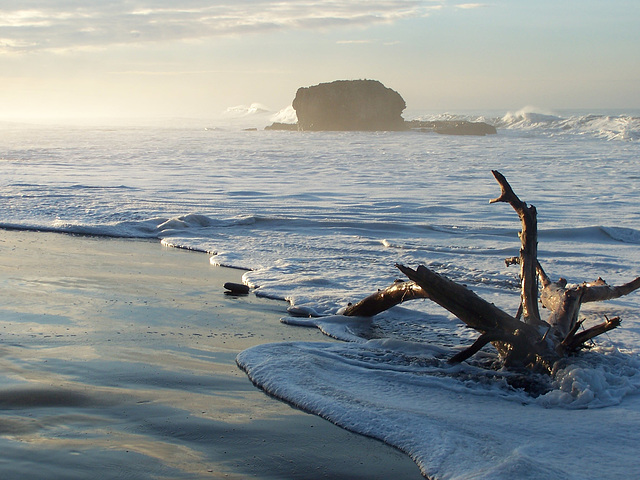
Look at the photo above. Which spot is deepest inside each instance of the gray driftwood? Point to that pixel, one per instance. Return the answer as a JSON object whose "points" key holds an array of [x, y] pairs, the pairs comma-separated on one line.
{"points": [[523, 340]]}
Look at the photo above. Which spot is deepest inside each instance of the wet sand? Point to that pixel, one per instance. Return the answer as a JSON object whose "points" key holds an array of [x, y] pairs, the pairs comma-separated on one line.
{"points": [[117, 360]]}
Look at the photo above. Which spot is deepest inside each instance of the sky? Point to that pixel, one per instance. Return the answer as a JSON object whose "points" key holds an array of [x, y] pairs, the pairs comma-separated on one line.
{"points": [[196, 58]]}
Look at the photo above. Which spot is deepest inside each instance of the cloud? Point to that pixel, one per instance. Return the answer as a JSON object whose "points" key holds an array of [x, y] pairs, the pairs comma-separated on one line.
{"points": [[469, 6], [353, 42], [58, 25]]}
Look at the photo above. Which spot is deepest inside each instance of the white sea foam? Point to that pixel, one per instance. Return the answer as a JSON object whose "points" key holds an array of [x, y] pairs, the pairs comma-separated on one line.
{"points": [[529, 117], [623, 126], [454, 421], [627, 235], [320, 219], [245, 110], [286, 115]]}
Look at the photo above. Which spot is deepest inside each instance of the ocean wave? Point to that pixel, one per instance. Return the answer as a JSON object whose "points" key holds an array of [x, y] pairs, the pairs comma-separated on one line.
{"points": [[608, 127], [532, 120], [156, 227], [252, 242], [240, 111], [79, 186], [286, 115], [528, 117], [592, 234], [621, 234]]}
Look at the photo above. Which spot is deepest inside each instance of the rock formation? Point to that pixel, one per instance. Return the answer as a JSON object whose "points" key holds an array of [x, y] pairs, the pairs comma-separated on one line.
{"points": [[349, 105], [365, 105], [282, 126]]}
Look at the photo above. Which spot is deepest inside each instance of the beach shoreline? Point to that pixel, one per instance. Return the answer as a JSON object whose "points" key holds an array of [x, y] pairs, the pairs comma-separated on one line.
{"points": [[118, 356]]}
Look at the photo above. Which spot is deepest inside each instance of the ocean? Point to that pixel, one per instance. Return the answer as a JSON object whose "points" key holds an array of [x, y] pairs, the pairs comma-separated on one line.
{"points": [[320, 219]]}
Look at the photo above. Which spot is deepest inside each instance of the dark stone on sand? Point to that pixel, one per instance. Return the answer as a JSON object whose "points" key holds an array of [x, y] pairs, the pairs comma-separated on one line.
{"points": [[453, 127], [236, 288], [364, 105]]}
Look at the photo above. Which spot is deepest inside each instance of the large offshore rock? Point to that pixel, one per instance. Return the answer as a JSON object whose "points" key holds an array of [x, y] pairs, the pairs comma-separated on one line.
{"points": [[349, 105]]}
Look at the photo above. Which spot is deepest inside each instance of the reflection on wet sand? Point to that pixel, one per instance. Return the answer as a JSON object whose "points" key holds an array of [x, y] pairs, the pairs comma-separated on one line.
{"points": [[117, 359]]}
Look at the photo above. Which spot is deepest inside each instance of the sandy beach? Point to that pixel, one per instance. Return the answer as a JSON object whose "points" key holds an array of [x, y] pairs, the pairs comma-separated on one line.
{"points": [[117, 360]]}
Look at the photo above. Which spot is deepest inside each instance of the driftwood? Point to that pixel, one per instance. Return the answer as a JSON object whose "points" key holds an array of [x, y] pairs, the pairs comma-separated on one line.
{"points": [[523, 340]]}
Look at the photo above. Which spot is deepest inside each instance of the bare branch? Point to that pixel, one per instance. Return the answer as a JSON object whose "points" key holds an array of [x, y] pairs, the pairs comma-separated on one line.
{"points": [[542, 276], [507, 195], [601, 291], [474, 311], [383, 300], [477, 345], [512, 261], [528, 251], [576, 342]]}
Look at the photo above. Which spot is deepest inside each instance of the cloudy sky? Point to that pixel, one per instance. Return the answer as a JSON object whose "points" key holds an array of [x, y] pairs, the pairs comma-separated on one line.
{"points": [[195, 58]]}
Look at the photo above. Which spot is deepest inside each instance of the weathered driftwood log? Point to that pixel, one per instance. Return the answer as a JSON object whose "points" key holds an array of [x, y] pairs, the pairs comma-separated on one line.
{"points": [[524, 340], [382, 300], [528, 252], [519, 343]]}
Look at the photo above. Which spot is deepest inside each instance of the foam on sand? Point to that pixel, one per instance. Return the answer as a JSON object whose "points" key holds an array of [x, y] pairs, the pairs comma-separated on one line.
{"points": [[455, 421]]}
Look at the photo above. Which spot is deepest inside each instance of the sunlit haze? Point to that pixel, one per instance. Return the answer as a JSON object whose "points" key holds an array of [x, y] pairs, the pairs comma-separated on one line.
{"points": [[195, 58]]}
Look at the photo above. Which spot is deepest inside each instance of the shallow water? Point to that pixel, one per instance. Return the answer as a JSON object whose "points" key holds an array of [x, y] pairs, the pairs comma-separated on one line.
{"points": [[322, 218], [117, 360]]}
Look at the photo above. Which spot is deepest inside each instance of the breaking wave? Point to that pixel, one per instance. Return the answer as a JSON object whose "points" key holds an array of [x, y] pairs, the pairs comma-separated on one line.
{"points": [[240, 111], [610, 127], [286, 115], [532, 120]]}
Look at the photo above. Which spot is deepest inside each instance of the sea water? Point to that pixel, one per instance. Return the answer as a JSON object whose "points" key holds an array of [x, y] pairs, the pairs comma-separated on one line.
{"points": [[321, 218]]}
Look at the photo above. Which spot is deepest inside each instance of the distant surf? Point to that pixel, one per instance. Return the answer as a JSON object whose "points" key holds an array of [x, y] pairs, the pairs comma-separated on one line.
{"points": [[621, 126]]}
